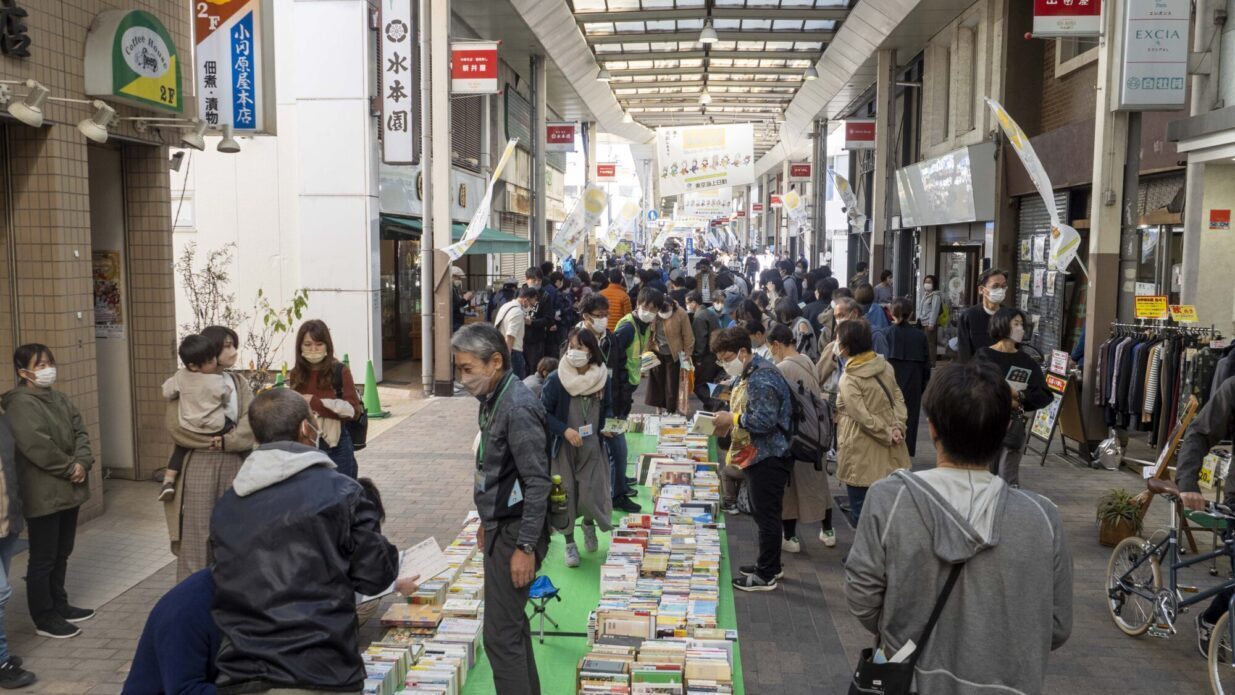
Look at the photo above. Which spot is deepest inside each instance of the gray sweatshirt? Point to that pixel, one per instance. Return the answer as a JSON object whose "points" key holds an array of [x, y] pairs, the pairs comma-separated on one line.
{"points": [[1010, 607]]}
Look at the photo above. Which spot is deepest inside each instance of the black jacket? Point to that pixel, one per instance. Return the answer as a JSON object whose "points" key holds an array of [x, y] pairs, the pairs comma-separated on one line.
{"points": [[293, 541], [973, 332], [1214, 423]]}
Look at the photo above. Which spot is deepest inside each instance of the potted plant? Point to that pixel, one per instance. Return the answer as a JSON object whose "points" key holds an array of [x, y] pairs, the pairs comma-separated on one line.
{"points": [[1119, 516]]}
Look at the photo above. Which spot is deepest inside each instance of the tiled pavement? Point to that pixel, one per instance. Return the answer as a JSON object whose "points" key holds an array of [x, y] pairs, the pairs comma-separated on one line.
{"points": [[796, 640]]}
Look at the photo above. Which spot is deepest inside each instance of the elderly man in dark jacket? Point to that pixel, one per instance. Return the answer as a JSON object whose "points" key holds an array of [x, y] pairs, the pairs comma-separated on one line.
{"points": [[293, 541], [511, 491]]}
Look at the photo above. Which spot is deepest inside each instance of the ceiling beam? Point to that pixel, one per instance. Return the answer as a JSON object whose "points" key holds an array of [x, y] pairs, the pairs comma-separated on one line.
{"points": [[833, 13], [693, 36], [788, 84], [646, 72], [718, 55], [717, 96]]}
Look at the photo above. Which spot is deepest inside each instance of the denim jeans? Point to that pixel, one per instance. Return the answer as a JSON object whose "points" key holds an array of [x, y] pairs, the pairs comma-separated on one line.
{"points": [[618, 459], [518, 365], [343, 455], [857, 497], [8, 546]]}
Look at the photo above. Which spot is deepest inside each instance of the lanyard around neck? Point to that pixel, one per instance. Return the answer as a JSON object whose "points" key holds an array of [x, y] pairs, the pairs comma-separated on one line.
{"points": [[485, 418]]}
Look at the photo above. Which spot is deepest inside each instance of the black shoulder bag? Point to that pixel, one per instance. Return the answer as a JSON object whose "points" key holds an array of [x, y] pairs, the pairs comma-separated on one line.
{"points": [[871, 678], [359, 427]]}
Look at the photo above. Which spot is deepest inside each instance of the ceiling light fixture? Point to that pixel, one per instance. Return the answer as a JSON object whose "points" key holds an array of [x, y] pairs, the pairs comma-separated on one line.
{"points": [[604, 75], [810, 74], [708, 35], [95, 127], [195, 129], [705, 98], [627, 118], [228, 144], [30, 109]]}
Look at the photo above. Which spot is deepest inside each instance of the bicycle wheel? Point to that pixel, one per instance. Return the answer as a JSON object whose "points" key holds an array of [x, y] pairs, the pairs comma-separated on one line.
{"points": [[1132, 612], [1221, 673]]}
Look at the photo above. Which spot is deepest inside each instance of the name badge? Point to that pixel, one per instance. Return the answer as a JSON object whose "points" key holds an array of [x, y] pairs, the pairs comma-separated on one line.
{"points": [[586, 431], [516, 495], [480, 481]]}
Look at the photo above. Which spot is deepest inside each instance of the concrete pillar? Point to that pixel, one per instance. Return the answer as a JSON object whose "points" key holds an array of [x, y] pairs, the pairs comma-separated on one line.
{"points": [[540, 105], [1203, 93], [1110, 153], [885, 145], [437, 164], [589, 176], [818, 193]]}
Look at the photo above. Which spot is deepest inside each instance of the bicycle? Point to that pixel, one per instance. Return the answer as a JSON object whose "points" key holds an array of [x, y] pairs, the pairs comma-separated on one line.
{"points": [[1138, 601]]}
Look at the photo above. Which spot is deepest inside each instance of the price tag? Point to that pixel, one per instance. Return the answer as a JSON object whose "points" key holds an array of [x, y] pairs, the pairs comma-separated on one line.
{"points": [[1059, 361], [1184, 313], [1056, 384], [1206, 477], [1151, 307]]}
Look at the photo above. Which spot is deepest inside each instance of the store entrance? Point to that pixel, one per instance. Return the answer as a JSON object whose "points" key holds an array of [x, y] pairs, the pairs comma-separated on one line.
{"points": [[400, 271], [112, 319], [959, 267]]}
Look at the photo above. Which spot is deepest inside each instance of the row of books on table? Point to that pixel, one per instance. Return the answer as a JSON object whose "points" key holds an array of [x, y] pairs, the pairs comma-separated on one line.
{"points": [[655, 629], [432, 640]]}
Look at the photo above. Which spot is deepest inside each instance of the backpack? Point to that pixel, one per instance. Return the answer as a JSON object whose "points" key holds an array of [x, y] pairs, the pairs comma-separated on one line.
{"points": [[358, 428], [810, 431]]}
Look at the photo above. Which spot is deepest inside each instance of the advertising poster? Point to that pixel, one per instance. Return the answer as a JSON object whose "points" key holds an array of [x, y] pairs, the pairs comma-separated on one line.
{"points": [[1026, 282], [1039, 276], [1039, 248], [695, 158], [481, 218], [717, 202], [108, 315], [1051, 277]]}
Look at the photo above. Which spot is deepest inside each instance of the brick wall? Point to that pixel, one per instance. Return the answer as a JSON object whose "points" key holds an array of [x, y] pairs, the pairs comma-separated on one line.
{"points": [[1067, 99]]}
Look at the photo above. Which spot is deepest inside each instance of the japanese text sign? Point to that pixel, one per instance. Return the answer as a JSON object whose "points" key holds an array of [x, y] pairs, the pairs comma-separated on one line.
{"points": [[1151, 307], [1056, 18], [398, 65], [1155, 55], [232, 64], [473, 67], [1184, 313], [799, 171], [860, 134], [560, 137], [693, 158], [606, 172]]}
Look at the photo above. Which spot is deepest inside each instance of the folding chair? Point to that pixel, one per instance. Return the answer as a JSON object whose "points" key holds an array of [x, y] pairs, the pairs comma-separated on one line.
{"points": [[541, 592]]}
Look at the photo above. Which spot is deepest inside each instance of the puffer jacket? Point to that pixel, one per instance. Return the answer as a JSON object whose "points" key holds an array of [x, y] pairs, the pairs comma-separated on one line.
{"points": [[10, 503], [293, 541], [50, 437], [868, 407]]}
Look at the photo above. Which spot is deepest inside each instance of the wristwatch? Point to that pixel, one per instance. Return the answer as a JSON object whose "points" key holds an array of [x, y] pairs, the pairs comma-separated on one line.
{"points": [[527, 548]]}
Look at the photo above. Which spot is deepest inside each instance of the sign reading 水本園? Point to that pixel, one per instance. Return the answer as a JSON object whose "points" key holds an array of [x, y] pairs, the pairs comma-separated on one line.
{"points": [[1059, 18], [1155, 55], [860, 134], [694, 158], [234, 71], [560, 137], [473, 67], [399, 49], [131, 57]]}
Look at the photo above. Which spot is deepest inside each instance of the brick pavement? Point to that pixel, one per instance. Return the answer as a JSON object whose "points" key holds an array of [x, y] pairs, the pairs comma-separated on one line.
{"points": [[797, 640]]}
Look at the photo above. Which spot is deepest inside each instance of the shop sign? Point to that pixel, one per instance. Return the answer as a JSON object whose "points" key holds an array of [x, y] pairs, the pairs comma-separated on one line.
{"points": [[1056, 384], [14, 39], [560, 137], [518, 200], [799, 171], [1220, 220], [473, 67], [131, 57], [401, 191], [739, 214], [1059, 18], [1184, 313], [398, 65], [776, 201], [1155, 55], [234, 70], [756, 208], [606, 172], [1151, 307], [694, 158], [1059, 361], [860, 134]]}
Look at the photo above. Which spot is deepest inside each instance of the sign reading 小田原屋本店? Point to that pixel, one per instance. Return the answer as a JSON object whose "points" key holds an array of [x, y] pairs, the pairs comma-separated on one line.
{"points": [[1155, 55], [234, 69], [131, 57]]}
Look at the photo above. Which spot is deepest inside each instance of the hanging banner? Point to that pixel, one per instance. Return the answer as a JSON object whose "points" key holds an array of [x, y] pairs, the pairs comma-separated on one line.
{"points": [[399, 49], [234, 61], [1065, 241], [1066, 18], [582, 218], [795, 205], [480, 219], [473, 67], [1155, 55], [708, 204], [860, 134], [606, 172], [622, 226], [694, 158], [799, 172], [560, 137], [857, 221]]}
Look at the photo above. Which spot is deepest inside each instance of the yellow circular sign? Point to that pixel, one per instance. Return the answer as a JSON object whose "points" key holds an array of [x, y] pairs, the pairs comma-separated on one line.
{"points": [[792, 200], [594, 201]]}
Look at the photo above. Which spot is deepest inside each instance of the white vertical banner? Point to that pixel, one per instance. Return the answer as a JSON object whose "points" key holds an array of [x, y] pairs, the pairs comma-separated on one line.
{"points": [[481, 217], [622, 226], [398, 65], [582, 218]]}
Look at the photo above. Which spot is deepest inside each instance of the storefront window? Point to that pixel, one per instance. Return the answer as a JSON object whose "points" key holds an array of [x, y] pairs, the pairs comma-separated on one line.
{"points": [[400, 262]]}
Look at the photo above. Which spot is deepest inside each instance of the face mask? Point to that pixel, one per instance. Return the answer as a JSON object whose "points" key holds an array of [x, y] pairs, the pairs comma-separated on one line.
{"points": [[928, 286], [665, 314], [733, 367], [997, 294], [799, 273], [719, 307], [1018, 334], [476, 383], [45, 377], [600, 325], [313, 356], [645, 316], [577, 358]]}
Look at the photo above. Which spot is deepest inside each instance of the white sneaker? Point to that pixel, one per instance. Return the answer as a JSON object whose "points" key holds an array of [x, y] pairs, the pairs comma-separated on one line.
{"points": [[828, 537], [791, 545], [590, 543], [572, 555]]}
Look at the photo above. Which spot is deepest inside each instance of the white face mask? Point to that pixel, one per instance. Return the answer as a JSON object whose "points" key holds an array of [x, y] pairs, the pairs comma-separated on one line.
{"points": [[733, 367], [719, 307], [600, 325], [928, 286], [45, 377], [665, 314], [645, 316], [1018, 334], [997, 294], [313, 356], [577, 358]]}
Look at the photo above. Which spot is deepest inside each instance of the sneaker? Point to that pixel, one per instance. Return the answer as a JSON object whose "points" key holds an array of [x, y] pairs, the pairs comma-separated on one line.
{"points": [[1203, 631], [13, 676], [628, 505], [590, 543], [73, 614], [730, 509], [15, 660], [751, 571], [168, 492], [828, 536], [791, 545], [57, 628], [572, 555], [632, 482], [753, 582]]}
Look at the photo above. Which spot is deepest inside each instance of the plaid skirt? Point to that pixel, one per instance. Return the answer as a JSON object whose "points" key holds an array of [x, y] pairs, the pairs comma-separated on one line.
{"points": [[206, 476]]}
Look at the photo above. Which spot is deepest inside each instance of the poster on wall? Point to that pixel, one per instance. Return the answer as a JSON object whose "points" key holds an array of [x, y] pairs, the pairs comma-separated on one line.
{"points": [[695, 158], [1051, 277], [108, 314], [1026, 250], [234, 66], [1026, 282], [1039, 278], [1039, 248], [1220, 220]]}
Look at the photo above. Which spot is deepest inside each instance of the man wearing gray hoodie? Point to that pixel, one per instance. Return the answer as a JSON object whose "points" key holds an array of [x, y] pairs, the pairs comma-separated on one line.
{"points": [[1012, 604]]}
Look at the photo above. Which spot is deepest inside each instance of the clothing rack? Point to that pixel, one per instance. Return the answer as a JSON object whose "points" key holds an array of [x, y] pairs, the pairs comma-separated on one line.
{"points": [[1164, 325]]}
